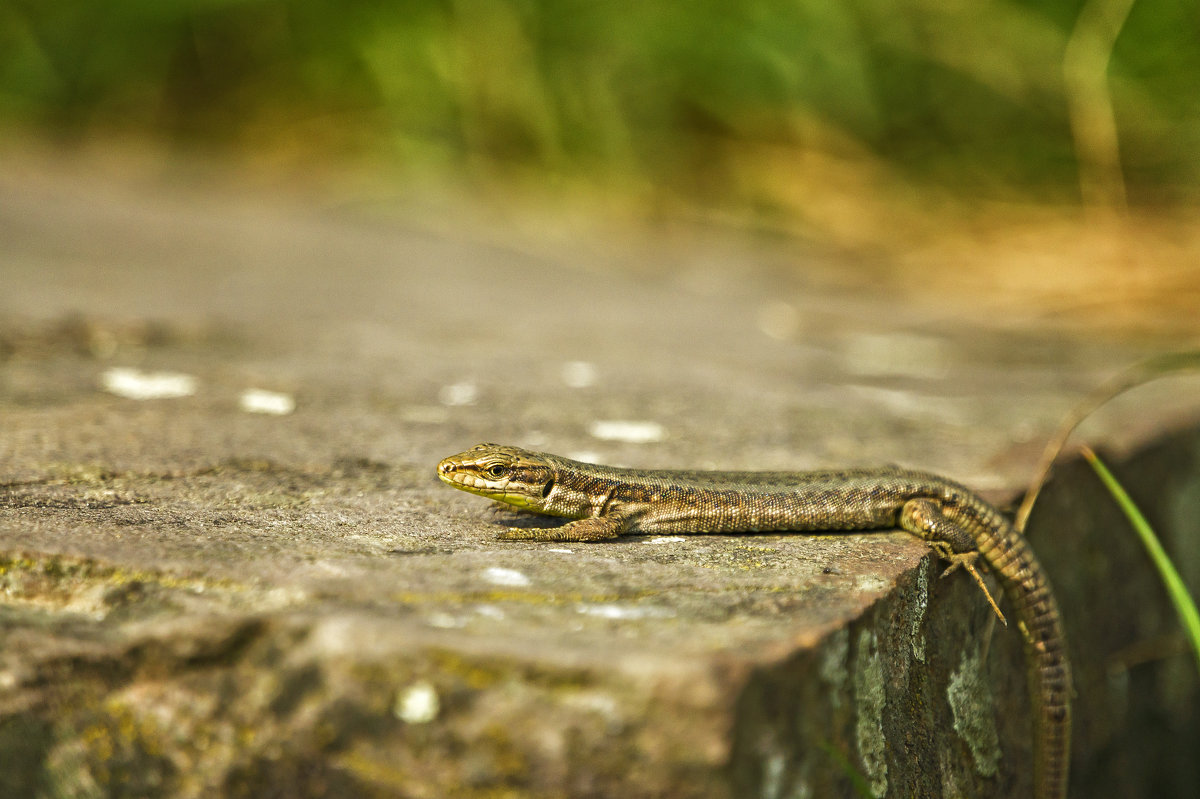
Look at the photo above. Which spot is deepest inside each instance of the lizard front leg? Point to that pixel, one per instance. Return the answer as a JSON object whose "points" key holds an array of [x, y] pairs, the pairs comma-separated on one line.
{"points": [[924, 518], [595, 528]]}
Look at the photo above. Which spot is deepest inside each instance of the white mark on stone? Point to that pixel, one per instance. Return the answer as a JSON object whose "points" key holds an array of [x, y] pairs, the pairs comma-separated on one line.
{"points": [[595, 702], [832, 664], [631, 432], [579, 374], [561, 551], [508, 577], [624, 612], [870, 584], [331, 567], [138, 385], [445, 621], [274, 403], [869, 698], [779, 320], [462, 393], [773, 770], [914, 404], [920, 603], [418, 704], [490, 612], [666, 539], [970, 697], [535, 439]]}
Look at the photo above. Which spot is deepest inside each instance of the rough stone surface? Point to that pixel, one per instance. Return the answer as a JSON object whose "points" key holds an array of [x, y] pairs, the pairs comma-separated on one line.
{"points": [[198, 600]]}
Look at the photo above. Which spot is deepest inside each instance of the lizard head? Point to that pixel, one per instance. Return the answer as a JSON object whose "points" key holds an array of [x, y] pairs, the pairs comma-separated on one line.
{"points": [[510, 475]]}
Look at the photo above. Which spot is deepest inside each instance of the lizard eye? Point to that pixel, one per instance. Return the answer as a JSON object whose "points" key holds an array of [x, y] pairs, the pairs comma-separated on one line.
{"points": [[497, 471]]}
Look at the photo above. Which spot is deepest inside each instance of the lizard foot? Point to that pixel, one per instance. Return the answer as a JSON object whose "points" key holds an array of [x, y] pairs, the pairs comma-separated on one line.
{"points": [[966, 560]]}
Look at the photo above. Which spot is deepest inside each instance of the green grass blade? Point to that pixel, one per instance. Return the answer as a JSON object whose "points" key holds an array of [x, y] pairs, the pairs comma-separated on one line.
{"points": [[1184, 604], [857, 779]]}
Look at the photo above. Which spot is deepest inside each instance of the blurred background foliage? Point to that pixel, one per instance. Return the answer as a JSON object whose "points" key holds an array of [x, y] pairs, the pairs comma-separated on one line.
{"points": [[759, 105]]}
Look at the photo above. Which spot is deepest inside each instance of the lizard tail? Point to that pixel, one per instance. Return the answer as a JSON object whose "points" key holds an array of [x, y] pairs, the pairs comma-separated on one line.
{"points": [[1048, 669]]}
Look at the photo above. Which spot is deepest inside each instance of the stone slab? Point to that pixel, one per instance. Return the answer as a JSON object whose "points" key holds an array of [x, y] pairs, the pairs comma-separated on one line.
{"points": [[200, 600]]}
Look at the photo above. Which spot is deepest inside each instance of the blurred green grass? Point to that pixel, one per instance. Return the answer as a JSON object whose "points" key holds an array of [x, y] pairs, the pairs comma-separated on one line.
{"points": [[967, 97]]}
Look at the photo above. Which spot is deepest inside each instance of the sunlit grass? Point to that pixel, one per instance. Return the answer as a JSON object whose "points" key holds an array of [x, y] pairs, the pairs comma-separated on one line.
{"points": [[968, 97], [930, 143]]}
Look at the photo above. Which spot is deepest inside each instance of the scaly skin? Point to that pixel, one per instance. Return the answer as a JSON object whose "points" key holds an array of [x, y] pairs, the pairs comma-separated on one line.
{"points": [[606, 502]]}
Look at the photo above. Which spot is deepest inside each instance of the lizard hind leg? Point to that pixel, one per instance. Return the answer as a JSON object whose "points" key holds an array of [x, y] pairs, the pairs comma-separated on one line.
{"points": [[924, 518]]}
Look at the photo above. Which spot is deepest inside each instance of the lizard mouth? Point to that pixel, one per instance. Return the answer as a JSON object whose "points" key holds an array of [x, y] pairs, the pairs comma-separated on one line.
{"points": [[449, 473]]}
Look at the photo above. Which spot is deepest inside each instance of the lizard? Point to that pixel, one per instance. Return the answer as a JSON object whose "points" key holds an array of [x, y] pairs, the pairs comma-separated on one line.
{"points": [[605, 502]]}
